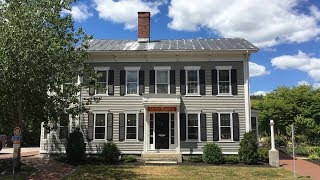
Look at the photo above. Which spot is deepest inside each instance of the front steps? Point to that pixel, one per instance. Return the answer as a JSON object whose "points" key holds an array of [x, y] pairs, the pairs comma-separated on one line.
{"points": [[161, 158]]}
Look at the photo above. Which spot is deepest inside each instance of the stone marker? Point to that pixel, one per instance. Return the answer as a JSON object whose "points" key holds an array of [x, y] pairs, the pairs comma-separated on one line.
{"points": [[273, 153]]}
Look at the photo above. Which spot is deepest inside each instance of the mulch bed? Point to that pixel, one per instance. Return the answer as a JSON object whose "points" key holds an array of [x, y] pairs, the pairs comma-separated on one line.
{"points": [[6, 169]]}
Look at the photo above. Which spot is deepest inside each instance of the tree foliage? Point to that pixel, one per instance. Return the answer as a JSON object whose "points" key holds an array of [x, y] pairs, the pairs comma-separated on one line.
{"points": [[41, 55], [288, 106]]}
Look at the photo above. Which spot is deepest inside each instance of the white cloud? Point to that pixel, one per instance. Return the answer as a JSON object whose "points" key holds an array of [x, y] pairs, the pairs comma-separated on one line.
{"points": [[257, 70], [79, 12], [263, 24], [300, 83], [259, 93], [125, 11], [316, 85], [300, 61]]}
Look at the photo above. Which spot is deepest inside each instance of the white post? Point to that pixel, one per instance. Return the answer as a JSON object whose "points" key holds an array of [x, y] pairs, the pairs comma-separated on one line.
{"points": [[273, 153], [272, 135], [294, 160]]}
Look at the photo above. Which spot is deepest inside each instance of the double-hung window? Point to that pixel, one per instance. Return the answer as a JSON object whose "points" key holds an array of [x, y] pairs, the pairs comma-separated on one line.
{"points": [[132, 80], [193, 127], [162, 80], [225, 126], [102, 81], [192, 80], [64, 126], [224, 80], [131, 126], [100, 126]]}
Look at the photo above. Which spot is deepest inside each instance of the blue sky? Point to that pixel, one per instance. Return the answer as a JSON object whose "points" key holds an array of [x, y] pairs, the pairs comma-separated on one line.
{"points": [[287, 31]]}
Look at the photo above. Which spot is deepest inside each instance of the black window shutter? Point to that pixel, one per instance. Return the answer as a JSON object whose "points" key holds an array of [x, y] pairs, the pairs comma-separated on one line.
{"points": [[215, 123], [141, 82], [110, 127], [183, 126], [121, 126], [236, 128], [92, 88], [202, 78], [203, 126], [111, 82], [122, 82], [152, 81], [234, 84], [141, 122], [90, 126], [182, 82], [172, 82], [214, 81]]}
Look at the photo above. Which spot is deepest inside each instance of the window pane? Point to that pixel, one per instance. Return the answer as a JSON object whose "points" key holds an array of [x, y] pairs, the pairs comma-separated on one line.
{"points": [[162, 88], [102, 76], [224, 87], [192, 119], [192, 87], [162, 77], [64, 119], [224, 119], [99, 133], [132, 88], [225, 133], [100, 119], [223, 75], [132, 76], [64, 132], [193, 133], [101, 88], [131, 132], [192, 75], [131, 120], [253, 123]]}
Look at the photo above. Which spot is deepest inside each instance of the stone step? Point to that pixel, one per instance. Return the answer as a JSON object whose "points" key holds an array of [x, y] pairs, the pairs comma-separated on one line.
{"points": [[159, 159], [161, 162], [177, 157]]}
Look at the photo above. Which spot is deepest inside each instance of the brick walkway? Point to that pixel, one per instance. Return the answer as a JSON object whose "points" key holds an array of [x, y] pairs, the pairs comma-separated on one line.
{"points": [[303, 167]]}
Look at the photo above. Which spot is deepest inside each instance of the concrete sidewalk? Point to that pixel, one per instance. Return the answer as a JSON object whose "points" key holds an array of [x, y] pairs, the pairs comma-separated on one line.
{"points": [[303, 167]]}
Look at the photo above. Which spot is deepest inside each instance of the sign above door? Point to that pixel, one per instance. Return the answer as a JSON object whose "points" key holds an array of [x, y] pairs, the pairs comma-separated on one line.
{"points": [[162, 109]]}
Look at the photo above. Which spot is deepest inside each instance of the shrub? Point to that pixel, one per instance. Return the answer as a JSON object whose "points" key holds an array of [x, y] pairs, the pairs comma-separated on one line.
{"points": [[76, 148], [280, 141], [301, 150], [231, 159], [313, 157], [212, 154], [195, 159], [110, 153], [248, 151], [263, 154], [129, 158]]}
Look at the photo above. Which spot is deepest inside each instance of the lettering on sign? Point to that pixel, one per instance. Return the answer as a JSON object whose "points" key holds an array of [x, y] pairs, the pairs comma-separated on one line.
{"points": [[170, 109]]}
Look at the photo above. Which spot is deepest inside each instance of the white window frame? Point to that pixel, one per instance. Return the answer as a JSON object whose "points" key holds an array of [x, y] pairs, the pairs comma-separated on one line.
{"points": [[162, 68], [192, 68], [106, 69], [187, 126], [231, 127], [137, 69], [59, 125], [126, 126], [105, 125], [228, 68]]}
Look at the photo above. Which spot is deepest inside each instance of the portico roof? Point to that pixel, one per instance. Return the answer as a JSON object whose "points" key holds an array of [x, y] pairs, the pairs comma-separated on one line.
{"points": [[161, 100]]}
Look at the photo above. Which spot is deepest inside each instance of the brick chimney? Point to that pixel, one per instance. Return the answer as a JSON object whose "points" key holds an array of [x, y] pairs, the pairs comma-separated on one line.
{"points": [[143, 26]]}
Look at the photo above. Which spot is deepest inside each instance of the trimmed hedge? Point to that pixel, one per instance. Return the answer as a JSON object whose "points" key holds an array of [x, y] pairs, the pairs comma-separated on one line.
{"points": [[76, 148], [129, 158], [212, 154], [231, 159], [194, 159], [248, 151], [110, 153]]}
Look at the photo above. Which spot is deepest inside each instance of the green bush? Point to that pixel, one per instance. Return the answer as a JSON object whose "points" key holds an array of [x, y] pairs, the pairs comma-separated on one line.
{"points": [[194, 159], [248, 151], [212, 154], [110, 153], [129, 158], [231, 159], [313, 157], [280, 141], [263, 154], [76, 148], [301, 150]]}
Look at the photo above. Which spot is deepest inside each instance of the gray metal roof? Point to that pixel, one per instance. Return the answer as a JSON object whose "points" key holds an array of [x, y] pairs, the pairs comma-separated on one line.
{"points": [[218, 44]]}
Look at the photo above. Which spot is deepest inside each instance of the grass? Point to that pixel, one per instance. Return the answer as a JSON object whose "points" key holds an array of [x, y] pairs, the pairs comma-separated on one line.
{"points": [[179, 172]]}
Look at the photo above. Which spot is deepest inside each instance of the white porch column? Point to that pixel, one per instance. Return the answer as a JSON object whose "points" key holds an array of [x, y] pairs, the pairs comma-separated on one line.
{"points": [[178, 119], [247, 93], [146, 127]]}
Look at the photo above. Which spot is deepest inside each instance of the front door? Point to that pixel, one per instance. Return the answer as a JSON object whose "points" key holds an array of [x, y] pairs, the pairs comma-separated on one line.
{"points": [[162, 130]]}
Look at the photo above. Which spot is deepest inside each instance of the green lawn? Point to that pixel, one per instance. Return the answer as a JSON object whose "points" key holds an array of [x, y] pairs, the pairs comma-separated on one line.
{"points": [[179, 172]]}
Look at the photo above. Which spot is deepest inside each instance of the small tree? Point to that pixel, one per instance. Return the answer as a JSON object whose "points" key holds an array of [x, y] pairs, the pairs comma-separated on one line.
{"points": [[110, 153], [212, 154], [248, 151], [76, 148]]}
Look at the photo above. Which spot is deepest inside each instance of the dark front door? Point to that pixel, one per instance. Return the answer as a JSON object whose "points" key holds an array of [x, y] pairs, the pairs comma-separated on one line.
{"points": [[162, 130]]}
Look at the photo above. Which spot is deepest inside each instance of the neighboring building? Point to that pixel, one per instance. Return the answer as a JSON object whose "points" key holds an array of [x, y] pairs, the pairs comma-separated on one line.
{"points": [[167, 95]]}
